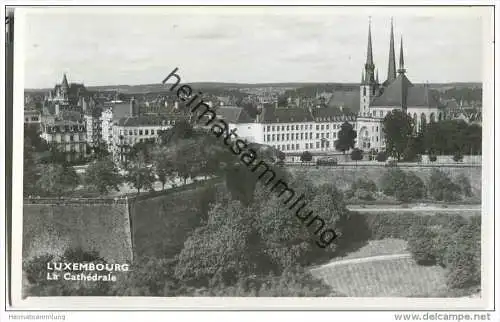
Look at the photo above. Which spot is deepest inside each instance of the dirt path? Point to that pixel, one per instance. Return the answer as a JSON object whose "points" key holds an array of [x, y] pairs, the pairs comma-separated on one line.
{"points": [[363, 260], [396, 208]]}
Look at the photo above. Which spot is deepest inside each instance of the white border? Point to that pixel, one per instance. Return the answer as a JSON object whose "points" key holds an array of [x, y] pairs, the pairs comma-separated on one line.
{"points": [[148, 303]]}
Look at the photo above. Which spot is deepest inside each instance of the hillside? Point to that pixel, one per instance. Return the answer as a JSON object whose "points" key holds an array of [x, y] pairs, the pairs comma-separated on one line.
{"points": [[158, 87]]}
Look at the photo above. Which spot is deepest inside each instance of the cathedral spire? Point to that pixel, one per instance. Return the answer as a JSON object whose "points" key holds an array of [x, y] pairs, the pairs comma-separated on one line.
{"points": [[391, 70], [369, 51], [369, 65], [401, 69]]}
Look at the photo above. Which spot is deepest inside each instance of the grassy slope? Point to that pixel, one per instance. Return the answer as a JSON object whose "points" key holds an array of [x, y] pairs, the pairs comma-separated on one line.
{"points": [[161, 224], [390, 278]]}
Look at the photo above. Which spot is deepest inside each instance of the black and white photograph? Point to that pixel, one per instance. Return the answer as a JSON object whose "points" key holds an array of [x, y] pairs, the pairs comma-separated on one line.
{"points": [[256, 154]]}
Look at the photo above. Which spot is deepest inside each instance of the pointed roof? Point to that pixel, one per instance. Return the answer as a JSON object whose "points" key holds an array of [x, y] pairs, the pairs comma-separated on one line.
{"points": [[64, 82], [401, 69], [391, 69], [402, 93], [234, 114], [369, 51], [395, 94]]}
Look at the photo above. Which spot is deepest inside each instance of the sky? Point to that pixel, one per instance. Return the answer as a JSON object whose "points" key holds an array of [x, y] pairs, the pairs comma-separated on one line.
{"points": [[247, 45]]}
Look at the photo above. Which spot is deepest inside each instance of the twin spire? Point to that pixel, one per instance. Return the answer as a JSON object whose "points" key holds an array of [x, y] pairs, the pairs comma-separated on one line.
{"points": [[369, 74]]}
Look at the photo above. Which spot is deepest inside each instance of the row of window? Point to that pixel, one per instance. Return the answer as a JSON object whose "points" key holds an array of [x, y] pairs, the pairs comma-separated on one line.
{"points": [[296, 147], [132, 141], [32, 119], [297, 127], [72, 138], [137, 132], [295, 136]]}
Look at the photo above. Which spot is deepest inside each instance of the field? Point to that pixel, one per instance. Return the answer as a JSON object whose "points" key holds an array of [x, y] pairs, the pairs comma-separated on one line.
{"points": [[385, 278], [382, 268]]}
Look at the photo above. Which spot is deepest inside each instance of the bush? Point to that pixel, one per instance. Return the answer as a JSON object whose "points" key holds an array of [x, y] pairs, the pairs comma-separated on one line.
{"points": [[381, 157], [363, 194], [458, 157], [412, 188], [409, 154], [390, 225], [463, 255], [442, 188], [464, 183], [422, 244], [306, 156], [356, 155], [403, 186], [364, 184]]}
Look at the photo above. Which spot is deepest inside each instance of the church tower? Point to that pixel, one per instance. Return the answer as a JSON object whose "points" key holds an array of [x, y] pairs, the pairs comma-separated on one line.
{"points": [[64, 87], [391, 68], [369, 84]]}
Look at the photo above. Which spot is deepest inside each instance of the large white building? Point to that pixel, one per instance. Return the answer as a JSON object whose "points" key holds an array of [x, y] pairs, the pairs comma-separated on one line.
{"points": [[290, 130]]}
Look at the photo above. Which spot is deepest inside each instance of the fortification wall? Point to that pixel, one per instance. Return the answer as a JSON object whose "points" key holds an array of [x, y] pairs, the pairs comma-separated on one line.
{"points": [[52, 226], [119, 229], [163, 221]]}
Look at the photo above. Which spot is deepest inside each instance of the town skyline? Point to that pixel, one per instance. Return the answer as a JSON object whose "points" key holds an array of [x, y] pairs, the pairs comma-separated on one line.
{"points": [[144, 55]]}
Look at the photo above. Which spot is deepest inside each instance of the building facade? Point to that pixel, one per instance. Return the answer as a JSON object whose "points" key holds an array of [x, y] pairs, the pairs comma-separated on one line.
{"points": [[397, 92], [67, 136]]}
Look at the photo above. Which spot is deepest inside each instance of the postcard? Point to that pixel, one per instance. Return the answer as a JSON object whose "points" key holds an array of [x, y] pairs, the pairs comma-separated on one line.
{"points": [[253, 157]]}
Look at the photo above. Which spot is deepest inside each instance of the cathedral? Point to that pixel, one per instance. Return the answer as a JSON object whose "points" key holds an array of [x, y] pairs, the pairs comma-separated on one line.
{"points": [[396, 93]]}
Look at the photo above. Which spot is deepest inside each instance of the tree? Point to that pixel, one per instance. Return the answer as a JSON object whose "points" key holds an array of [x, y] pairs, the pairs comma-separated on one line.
{"points": [[464, 183], [346, 138], [381, 156], [163, 166], [404, 186], [398, 129], [422, 244], [101, 151], [356, 155], [413, 188], [458, 157], [30, 169], [281, 156], [181, 130], [441, 187], [140, 177], [149, 277], [463, 258], [306, 156], [57, 180], [103, 175], [222, 247]]}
